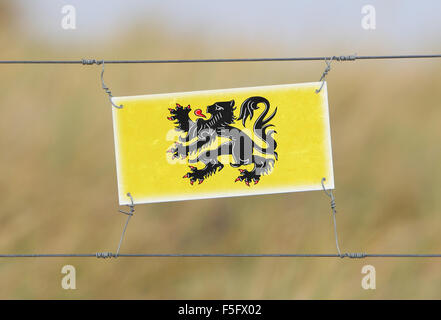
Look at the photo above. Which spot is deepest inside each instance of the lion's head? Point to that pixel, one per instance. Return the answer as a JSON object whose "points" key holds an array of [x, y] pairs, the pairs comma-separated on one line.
{"points": [[222, 113]]}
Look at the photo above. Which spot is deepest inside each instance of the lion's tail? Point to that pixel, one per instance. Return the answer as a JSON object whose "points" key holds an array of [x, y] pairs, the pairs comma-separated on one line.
{"points": [[262, 123]]}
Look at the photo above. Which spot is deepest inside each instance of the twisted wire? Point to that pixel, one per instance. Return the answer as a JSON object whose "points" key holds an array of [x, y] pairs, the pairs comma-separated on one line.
{"points": [[216, 60]]}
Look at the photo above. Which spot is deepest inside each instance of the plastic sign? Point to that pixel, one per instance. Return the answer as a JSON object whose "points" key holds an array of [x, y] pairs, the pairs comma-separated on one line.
{"points": [[222, 143]]}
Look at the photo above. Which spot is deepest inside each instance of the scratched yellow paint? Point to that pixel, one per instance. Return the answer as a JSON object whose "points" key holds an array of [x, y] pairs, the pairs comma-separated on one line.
{"points": [[143, 134]]}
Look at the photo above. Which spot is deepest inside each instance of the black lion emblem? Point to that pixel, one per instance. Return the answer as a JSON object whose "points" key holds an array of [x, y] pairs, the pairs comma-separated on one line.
{"points": [[202, 133]]}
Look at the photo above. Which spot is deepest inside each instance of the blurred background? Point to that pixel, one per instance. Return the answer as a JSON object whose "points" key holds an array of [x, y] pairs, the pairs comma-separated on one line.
{"points": [[57, 169]]}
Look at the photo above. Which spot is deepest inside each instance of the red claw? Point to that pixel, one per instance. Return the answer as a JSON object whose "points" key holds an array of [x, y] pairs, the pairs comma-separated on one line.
{"points": [[256, 181], [241, 170], [171, 109], [247, 183], [170, 118], [201, 180], [186, 176], [237, 179], [191, 182], [188, 107], [178, 105]]}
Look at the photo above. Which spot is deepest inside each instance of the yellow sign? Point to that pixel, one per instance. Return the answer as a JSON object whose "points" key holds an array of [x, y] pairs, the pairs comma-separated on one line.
{"points": [[222, 143]]}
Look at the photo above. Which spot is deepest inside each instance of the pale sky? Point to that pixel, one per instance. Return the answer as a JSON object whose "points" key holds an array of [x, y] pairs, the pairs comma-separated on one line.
{"points": [[406, 26]]}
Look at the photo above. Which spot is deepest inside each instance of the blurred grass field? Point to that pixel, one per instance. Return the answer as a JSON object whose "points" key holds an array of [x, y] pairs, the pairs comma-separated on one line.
{"points": [[58, 184]]}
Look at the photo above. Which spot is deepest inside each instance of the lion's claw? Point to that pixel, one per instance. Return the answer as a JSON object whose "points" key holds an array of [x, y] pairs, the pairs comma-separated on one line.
{"points": [[179, 110], [180, 116], [195, 174], [178, 151], [247, 177], [201, 174]]}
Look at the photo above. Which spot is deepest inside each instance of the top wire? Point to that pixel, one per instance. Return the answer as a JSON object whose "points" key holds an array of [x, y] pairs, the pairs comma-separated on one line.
{"points": [[337, 58]]}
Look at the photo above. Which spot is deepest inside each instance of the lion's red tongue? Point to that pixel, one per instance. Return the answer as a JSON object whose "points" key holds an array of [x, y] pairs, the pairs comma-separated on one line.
{"points": [[199, 113]]}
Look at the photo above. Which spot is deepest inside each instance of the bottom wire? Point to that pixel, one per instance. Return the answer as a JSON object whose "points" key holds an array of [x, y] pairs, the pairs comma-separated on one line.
{"points": [[197, 255]]}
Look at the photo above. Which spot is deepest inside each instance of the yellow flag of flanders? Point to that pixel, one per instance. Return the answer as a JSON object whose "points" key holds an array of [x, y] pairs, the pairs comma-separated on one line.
{"points": [[222, 143]]}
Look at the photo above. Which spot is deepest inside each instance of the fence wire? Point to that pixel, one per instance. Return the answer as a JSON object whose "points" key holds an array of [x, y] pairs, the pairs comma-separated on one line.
{"points": [[152, 61], [106, 255]]}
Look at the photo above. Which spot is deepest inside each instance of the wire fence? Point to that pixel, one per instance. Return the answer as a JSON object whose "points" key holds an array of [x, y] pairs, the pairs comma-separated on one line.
{"points": [[152, 61], [107, 255]]}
